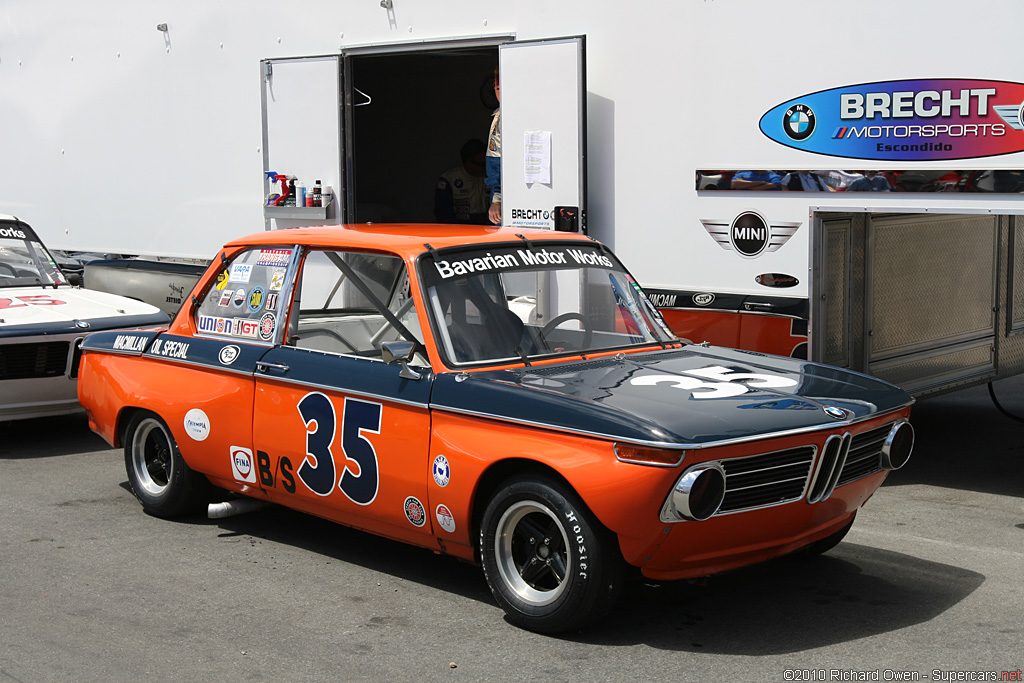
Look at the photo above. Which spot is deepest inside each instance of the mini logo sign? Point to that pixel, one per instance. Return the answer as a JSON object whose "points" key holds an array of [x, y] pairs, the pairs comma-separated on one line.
{"points": [[749, 234], [704, 299], [837, 413]]}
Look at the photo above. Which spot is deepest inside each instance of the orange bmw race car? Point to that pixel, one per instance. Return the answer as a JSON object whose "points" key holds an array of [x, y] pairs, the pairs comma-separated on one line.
{"points": [[509, 397]]}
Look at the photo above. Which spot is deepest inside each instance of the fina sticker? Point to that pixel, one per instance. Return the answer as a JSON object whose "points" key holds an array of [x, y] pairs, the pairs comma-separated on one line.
{"points": [[414, 511], [241, 464], [197, 424], [445, 518], [441, 471]]}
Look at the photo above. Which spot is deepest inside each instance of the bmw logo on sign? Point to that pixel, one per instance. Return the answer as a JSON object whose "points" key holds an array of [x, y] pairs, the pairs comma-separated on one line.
{"points": [[799, 122]]}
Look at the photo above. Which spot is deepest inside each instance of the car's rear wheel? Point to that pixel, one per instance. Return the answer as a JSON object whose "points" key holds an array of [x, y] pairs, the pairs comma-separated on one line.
{"points": [[157, 473], [549, 563]]}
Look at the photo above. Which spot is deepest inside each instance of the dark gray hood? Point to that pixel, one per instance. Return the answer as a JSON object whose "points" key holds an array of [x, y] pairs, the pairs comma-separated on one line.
{"points": [[692, 396]]}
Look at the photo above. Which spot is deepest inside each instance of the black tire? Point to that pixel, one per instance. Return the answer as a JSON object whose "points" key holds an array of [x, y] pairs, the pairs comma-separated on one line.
{"points": [[157, 473], [825, 544], [549, 563]]}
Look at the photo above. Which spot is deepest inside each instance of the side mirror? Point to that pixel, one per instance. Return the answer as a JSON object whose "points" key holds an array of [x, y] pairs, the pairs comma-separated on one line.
{"points": [[400, 352]]}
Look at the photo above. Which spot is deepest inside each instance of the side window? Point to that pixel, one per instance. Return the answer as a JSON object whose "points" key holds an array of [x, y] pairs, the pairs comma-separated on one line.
{"points": [[244, 303], [352, 302]]}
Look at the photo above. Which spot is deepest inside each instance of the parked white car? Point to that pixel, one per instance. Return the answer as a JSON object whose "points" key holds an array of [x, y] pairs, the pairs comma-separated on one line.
{"points": [[41, 313]]}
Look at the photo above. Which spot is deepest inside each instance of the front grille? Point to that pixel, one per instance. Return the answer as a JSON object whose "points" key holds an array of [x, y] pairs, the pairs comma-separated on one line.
{"points": [[767, 479], [39, 359], [865, 455]]}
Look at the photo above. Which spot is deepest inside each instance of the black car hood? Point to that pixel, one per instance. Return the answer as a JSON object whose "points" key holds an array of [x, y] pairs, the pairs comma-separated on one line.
{"points": [[693, 396]]}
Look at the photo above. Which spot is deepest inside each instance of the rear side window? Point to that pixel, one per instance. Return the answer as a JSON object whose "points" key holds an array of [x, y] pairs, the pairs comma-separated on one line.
{"points": [[245, 301]]}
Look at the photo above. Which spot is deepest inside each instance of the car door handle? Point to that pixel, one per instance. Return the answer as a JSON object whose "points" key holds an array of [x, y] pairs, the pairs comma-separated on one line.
{"points": [[761, 306], [267, 367]]}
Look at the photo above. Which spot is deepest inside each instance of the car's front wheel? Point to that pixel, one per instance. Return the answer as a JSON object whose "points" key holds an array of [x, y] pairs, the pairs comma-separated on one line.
{"points": [[157, 473], [549, 563]]}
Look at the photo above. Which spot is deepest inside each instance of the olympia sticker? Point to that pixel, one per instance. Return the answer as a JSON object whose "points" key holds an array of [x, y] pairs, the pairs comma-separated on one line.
{"points": [[197, 424]]}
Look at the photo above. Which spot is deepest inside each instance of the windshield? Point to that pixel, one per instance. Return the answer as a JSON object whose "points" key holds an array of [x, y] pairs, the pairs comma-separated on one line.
{"points": [[24, 260], [523, 301]]}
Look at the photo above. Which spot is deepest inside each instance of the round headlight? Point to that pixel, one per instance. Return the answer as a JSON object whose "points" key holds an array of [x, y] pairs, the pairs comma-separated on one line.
{"points": [[898, 446]]}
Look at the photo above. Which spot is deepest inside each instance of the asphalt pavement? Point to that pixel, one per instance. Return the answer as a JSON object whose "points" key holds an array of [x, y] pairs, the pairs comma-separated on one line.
{"points": [[927, 586]]}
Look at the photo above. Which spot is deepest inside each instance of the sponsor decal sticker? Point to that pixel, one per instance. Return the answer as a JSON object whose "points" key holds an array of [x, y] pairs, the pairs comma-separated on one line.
{"points": [[780, 280], [13, 232], [267, 324], [414, 511], [169, 348], [445, 518], [240, 272], [521, 259], [255, 299], [197, 424], [274, 257], [244, 328], [228, 354], [129, 342], [277, 279], [241, 464], [225, 298], [911, 120], [239, 297], [532, 218], [441, 471], [704, 299]]}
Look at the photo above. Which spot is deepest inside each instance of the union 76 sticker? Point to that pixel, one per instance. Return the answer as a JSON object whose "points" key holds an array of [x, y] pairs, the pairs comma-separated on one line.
{"points": [[728, 383]]}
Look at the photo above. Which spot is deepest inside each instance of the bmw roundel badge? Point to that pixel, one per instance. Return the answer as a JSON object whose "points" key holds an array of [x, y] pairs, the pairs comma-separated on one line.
{"points": [[837, 413]]}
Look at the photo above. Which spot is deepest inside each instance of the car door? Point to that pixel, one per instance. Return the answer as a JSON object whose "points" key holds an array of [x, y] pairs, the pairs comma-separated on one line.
{"points": [[338, 432]]}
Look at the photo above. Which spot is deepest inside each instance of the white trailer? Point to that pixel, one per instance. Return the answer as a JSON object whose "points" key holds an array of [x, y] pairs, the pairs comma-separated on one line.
{"points": [[148, 128]]}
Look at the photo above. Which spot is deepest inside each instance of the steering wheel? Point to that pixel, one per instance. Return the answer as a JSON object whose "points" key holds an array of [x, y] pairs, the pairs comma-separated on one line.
{"points": [[565, 317]]}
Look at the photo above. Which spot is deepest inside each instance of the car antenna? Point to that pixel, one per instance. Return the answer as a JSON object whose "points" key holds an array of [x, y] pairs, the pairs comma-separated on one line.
{"points": [[529, 245]]}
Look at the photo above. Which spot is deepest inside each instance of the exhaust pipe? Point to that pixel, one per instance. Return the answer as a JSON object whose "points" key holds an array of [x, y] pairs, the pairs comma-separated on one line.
{"points": [[236, 506]]}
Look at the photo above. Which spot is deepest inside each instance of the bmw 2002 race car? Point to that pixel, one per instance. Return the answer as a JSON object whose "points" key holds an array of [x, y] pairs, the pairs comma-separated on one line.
{"points": [[41, 314], [509, 397]]}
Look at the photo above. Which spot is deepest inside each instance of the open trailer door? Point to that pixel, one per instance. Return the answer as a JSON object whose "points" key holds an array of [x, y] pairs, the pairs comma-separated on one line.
{"points": [[543, 134], [302, 134]]}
